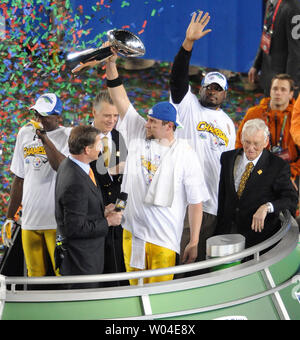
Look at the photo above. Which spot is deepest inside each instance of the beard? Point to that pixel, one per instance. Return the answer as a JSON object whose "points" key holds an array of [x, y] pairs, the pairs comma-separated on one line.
{"points": [[149, 137], [209, 104], [210, 101]]}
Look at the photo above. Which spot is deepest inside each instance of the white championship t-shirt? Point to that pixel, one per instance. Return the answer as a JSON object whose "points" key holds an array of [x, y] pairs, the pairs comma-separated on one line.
{"points": [[209, 132], [30, 162], [160, 225]]}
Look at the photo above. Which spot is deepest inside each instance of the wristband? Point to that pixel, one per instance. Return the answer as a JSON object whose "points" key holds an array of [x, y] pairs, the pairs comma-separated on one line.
{"points": [[114, 83]]}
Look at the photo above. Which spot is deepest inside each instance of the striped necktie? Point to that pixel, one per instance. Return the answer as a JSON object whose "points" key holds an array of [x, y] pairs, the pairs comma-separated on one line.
{"points": [[92, 176], [244, 179], [106, 153]]}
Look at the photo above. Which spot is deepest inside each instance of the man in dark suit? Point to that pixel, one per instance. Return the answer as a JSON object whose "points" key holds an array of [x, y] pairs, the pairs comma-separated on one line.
{"points": [[254, 187], [79, 209], [108, 169]]}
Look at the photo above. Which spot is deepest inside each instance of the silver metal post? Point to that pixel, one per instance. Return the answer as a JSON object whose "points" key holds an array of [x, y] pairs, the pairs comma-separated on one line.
{"points": [[2, 294]]}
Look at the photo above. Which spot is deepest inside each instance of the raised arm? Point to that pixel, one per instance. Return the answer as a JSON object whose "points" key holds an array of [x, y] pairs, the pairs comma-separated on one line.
{"points": [[179, 82], [55, 157], [116, 89]]}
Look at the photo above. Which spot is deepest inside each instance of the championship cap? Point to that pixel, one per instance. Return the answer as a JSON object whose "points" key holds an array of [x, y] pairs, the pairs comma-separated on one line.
{"points": [[215, 77], [48, 104]]}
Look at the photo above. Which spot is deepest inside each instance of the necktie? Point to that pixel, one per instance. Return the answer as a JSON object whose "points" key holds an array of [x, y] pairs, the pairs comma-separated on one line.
{"points": [[244, 179], [106, 153], [92, 176]]}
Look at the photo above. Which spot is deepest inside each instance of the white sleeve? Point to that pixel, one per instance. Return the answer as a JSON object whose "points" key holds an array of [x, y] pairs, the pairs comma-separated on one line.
{"points": [[195, 186], [186, 105], [65, 148], [232, 137], [132, 126]]}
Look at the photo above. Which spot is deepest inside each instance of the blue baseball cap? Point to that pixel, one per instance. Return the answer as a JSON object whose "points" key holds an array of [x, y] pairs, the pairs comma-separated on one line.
{"points": [[215, 77], [165, 111], [48, 104]]}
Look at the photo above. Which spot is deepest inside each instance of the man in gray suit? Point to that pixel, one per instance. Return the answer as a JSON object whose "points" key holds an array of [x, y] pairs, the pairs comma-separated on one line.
{"points": [[79, 211]]}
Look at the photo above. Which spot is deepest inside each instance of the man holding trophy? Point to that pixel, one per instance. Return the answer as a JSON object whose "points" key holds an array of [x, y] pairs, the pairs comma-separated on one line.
{"points": [[162, 177]]}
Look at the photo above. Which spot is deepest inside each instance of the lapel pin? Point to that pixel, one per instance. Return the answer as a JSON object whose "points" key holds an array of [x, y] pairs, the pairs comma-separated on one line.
{"points": [[259, 172]]}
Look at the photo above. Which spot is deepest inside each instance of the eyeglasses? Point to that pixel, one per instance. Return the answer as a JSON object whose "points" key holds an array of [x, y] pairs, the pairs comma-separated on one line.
{"points": [[214, 87]]}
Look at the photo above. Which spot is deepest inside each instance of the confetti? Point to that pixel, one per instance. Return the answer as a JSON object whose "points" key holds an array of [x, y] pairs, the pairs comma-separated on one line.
{"points": [[125, 4], [153, 12], [32, 64]]}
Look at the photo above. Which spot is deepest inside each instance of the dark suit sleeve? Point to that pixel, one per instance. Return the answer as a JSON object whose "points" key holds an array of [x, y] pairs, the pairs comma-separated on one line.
{"points": [[258, 59], [286, 195], [78, 223]]}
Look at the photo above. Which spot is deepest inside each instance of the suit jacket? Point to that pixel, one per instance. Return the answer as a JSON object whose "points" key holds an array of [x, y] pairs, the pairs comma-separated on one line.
{"points": [[269, 182], [111, 186], [79, 213]]}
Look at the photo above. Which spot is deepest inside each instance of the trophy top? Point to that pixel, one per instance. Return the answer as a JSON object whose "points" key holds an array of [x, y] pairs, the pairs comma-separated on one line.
{"points": [[127, 43]]}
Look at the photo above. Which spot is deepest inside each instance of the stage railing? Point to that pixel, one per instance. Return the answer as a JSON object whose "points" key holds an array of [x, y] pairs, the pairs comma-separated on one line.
{"points": [[140, 275]]}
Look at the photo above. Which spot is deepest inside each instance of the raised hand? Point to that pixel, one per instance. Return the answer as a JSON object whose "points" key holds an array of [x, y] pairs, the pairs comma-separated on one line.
{"points": [[113, 58], [196, 29], [94, 63]]}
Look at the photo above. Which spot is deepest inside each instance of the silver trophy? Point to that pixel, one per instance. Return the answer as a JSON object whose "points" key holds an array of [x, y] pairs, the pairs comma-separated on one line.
{"points": [[124, 42]]}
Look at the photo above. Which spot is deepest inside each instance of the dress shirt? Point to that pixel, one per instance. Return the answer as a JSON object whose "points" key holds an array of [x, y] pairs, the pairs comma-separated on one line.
{"points": [[85, 167], [109, 136], [240, 166], [110, 141]]}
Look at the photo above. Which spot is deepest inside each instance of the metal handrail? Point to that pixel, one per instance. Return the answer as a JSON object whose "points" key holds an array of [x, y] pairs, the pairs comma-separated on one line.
{"points": [[2, 294], [286, 224]]}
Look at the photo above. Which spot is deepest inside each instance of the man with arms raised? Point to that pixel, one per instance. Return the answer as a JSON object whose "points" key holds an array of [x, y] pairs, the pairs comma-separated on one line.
{"points": [[162, 176], [207, 127]]}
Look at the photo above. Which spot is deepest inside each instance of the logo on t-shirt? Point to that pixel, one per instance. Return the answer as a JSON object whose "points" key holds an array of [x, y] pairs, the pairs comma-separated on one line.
{"points": [[38, 153], [149, 168], [220, 137]]}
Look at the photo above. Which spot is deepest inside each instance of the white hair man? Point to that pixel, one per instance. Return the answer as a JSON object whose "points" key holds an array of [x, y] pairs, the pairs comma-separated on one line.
{"points": [[254, 187]]}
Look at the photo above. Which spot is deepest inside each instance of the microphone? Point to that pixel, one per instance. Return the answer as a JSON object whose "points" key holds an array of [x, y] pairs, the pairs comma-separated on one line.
{"points": [[121, 201]]}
